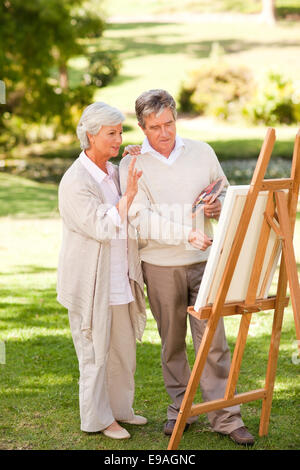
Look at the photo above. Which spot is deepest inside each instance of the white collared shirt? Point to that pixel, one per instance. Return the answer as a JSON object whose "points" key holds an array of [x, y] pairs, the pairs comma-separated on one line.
{"points": [[179, 145], [120, 290]]}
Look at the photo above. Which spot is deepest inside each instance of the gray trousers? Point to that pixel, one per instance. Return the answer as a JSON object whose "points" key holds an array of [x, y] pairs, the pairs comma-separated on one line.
{"points": [[170, 291], [106, 392]]}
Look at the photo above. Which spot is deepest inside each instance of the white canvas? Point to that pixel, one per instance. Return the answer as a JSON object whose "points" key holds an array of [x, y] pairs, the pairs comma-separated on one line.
{"points": [[224, 235]]}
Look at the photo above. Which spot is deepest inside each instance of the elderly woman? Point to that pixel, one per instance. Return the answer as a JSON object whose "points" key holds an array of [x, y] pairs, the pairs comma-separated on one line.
{"points": [[99, 275]]}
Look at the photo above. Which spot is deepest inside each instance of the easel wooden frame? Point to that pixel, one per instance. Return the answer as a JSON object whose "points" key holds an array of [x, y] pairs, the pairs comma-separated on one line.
{"points": [[280, 215]]}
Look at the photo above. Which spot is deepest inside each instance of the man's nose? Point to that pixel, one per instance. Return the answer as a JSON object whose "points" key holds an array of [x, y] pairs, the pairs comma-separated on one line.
{"points": [[164, 131]]}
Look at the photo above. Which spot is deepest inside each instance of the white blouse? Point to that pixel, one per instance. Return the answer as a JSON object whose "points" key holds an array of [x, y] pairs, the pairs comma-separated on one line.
{"points": [[120, 290]]}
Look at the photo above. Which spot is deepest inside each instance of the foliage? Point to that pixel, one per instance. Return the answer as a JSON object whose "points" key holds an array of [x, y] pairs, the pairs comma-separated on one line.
{"points": [[39, 38], [227, 91], [217, 89], [277, 101], [104, 67]]}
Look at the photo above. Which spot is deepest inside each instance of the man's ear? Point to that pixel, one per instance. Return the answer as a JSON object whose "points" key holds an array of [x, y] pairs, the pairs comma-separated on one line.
{"points": [[143, 129]]}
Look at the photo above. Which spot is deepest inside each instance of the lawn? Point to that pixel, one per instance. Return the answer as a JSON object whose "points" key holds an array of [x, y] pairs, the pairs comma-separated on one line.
{"points": [[39, 379], [157, 7], [159, 55]]}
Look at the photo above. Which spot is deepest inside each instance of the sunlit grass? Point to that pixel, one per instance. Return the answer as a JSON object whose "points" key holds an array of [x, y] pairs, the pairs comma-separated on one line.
{"points": [[39, 381], [132, 7], [160, 55]]}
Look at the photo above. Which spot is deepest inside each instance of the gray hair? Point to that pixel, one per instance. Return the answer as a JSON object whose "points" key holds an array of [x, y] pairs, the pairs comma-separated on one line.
{"points": [[93, 118], [153, 101]]}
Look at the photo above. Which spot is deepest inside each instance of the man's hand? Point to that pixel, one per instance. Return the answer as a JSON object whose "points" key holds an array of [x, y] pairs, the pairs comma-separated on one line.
{"points": [[199, 240], [133, 150], [213, 210]]}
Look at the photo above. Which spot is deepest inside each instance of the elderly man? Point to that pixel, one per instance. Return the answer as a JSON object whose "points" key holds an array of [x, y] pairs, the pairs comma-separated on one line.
{"points": [[174, 248]]}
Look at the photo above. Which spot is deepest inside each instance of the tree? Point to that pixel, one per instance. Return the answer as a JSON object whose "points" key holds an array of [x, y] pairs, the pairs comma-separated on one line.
{"points": [[268, 11], [37, 39]]}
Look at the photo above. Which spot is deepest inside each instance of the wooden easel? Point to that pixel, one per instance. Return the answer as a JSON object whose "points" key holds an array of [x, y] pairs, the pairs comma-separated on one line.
{"points": [[280, 215]]}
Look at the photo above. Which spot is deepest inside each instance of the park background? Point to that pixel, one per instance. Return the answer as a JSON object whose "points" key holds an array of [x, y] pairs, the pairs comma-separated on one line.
{"points": [[57, 57]]}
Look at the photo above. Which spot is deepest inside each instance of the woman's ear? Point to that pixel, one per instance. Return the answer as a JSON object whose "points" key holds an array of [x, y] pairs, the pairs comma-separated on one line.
{"points": [[90, 138]]}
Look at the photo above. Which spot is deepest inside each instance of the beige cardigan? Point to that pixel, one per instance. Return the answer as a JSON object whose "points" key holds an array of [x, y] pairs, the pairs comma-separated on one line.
{"points": [[83, 280]]}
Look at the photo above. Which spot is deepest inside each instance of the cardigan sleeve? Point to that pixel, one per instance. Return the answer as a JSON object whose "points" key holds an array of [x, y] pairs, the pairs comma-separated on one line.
{"points": [[83, 212]]}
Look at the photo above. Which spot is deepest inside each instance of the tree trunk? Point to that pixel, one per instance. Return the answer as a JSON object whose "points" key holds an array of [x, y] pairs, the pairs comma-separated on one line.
{"points": [[268, 11], [63, 77]]}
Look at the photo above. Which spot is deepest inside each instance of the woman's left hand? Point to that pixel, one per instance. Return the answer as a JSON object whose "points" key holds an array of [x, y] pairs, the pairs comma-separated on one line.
{"points": [[213, 210]]}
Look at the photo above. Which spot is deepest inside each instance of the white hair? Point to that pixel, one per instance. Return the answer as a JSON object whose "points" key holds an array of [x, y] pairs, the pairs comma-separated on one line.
{"points": [[93, 118]]}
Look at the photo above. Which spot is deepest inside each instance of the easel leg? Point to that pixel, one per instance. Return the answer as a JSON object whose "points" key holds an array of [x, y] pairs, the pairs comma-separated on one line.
{"points": [[237, 356], [289, 256], [271, 370], [288, 270], [274, 350], [186, 406]]}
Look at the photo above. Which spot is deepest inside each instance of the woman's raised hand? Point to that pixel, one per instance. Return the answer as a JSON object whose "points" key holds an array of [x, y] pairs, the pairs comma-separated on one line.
{"points": [[131, 190], [132, 180]]}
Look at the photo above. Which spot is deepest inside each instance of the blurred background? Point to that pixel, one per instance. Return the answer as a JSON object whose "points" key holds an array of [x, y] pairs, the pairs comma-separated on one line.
{"points": [[234, 68], [232, 65]]}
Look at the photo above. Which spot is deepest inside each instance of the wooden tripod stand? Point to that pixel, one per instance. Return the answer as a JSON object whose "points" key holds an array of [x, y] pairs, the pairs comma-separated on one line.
{"points": [[280, 216]]}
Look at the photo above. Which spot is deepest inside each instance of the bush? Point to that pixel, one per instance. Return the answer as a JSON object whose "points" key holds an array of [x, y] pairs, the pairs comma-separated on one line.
{"points": [[217, 89], [104, 67], [277, 101]]}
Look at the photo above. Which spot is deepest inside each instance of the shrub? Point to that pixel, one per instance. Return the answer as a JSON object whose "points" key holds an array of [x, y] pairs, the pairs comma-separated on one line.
{"points": [[276, 101], [217, 89], [104, 66]]}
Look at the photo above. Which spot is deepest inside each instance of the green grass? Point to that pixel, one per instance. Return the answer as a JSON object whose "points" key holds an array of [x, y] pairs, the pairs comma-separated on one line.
{"points": [[39, 381], [21, 197]]}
